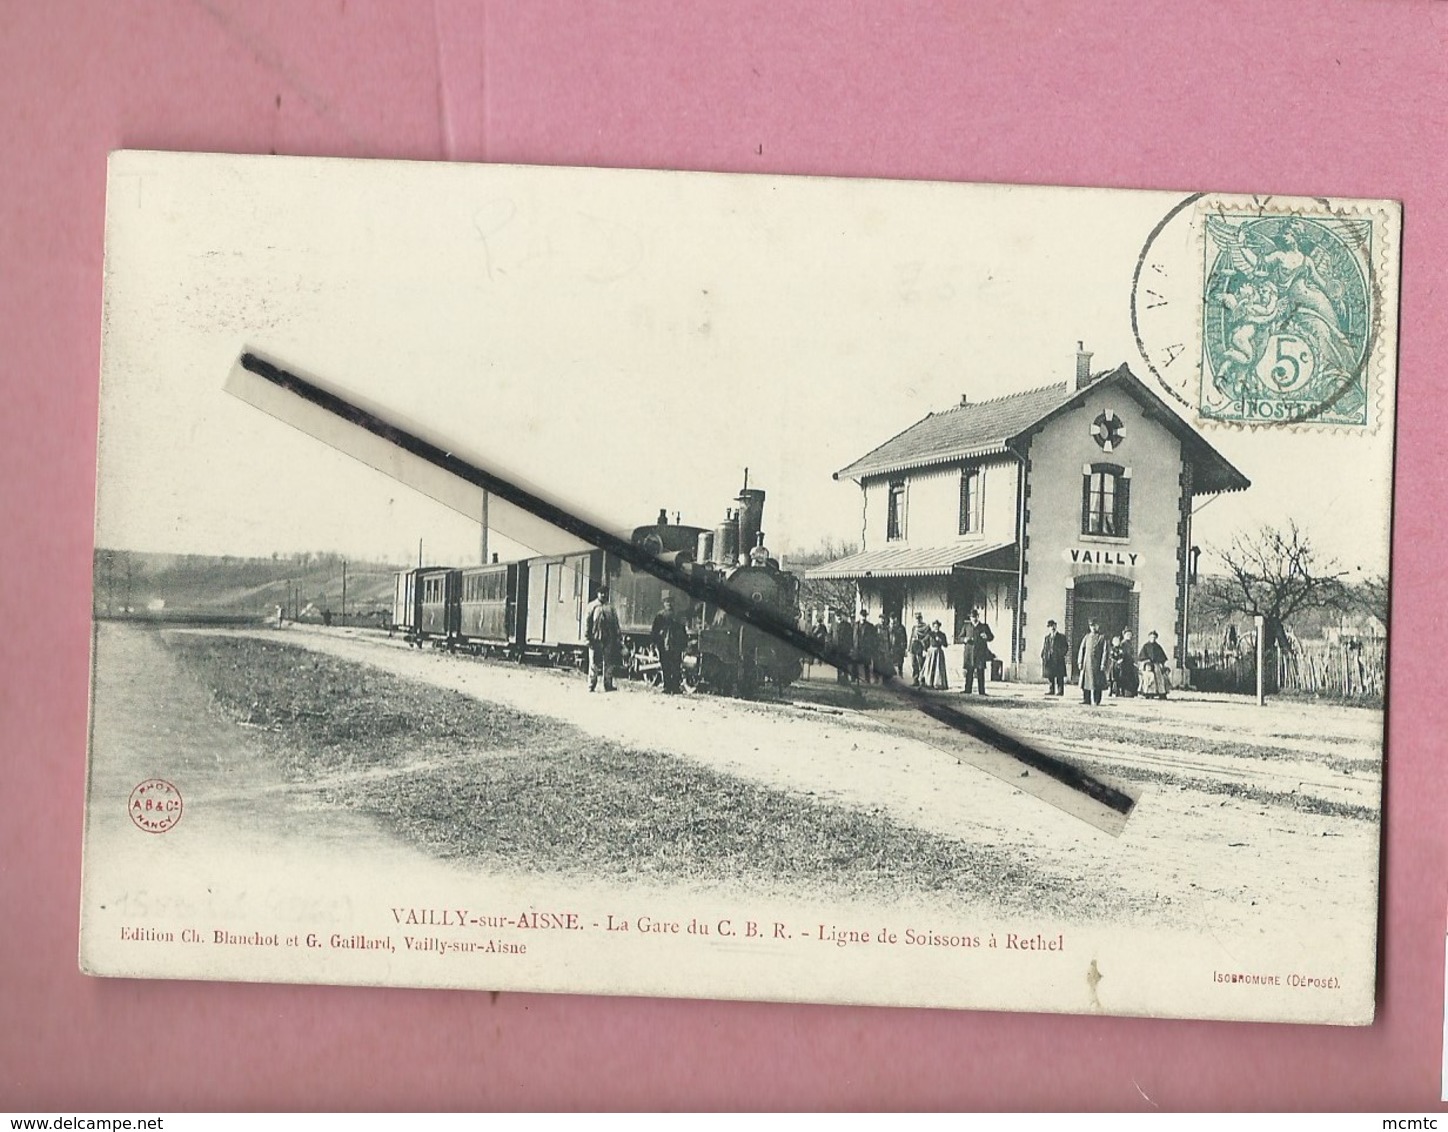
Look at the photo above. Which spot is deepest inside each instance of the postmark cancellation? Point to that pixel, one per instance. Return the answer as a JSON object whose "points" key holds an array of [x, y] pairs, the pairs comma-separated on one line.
{"points": [[1294, 303]]}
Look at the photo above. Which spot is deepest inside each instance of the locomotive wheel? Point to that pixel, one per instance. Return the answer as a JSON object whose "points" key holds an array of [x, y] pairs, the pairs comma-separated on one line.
{"points": [[643, 664]]}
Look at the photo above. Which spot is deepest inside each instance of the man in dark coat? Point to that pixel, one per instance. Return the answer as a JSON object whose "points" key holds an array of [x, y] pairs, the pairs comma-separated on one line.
{"points": [[844, 641], [1127, 679], [819, 633], [977, 651], [899, 644], [671, 638], [1053, 660], [1092, 660], [867, 646], [602, 632]]}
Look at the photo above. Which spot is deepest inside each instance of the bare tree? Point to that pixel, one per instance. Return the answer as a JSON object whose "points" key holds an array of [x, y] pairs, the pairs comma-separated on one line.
{"points": [[835, 593], [1371, 596], [1274, 574]]}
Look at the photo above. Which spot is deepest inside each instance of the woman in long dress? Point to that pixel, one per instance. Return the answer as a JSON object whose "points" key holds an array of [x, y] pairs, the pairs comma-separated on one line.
{"points": [[1153, 669], [935, 676]]}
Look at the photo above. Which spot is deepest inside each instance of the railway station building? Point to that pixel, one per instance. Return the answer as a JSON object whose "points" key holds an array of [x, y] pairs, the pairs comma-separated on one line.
{"points": [[1069, 502]]}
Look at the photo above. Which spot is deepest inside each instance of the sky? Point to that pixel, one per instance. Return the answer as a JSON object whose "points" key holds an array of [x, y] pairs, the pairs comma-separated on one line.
{"points": [[620, 341]]}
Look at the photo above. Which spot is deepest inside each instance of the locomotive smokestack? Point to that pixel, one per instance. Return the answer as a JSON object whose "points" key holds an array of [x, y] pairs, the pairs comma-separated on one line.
{"points": [[751, 518], [663, 517]]}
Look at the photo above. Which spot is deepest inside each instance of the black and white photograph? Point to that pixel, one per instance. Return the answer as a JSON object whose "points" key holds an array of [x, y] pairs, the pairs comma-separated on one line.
{"points": [[741, 587]]}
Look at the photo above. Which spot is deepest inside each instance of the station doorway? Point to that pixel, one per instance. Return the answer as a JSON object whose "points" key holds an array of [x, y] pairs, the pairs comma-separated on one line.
{"points": [[1109, 601], [892, 601]]}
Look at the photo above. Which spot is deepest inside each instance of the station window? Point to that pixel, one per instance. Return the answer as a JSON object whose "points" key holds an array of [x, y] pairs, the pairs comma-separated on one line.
{"points": [[1106, 501], [895, 522], [970, 511]]}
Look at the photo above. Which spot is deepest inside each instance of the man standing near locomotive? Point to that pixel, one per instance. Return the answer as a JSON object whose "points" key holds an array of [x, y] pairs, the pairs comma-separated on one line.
{"points": [[601, 629], [671, 637]]}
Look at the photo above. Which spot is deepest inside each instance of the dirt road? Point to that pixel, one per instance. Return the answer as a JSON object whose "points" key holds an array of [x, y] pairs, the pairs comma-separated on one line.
{"points": [[1250, 819]]}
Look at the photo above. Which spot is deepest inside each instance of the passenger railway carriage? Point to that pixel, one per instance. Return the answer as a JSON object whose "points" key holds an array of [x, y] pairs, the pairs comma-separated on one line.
{"points": [[493, 609], [424, 603]]}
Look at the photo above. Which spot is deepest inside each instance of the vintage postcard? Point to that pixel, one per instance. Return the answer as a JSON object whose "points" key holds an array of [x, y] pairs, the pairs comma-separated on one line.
{"points": [[623, 582]]}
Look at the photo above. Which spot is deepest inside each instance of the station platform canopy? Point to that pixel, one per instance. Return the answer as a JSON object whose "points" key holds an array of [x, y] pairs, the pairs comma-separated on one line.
{"points": [[917, 562]]}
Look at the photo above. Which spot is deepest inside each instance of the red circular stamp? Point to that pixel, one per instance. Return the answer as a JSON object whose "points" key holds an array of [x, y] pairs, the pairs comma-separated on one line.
{"points": [[155, 805]]}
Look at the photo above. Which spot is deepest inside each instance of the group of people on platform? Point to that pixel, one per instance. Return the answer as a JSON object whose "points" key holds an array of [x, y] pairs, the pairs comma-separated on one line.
{"points": [[927, 654], [883, 650], [876, 651], [1108, 665]]}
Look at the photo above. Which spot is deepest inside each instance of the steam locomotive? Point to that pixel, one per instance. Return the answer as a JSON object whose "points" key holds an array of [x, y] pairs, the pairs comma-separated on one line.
{"points": [[535, 609]]}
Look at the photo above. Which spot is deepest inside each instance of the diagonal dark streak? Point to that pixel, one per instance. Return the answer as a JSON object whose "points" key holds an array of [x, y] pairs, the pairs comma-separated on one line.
{"points": [[699, 587]]}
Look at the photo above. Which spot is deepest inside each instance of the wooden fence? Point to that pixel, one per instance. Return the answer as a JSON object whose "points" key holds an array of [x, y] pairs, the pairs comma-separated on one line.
{"points": [[1223, 670], [1350, 669], [1344, 669]]}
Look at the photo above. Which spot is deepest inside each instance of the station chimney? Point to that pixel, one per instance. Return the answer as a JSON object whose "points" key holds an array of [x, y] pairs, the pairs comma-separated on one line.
{"points": [[1083, 366]]}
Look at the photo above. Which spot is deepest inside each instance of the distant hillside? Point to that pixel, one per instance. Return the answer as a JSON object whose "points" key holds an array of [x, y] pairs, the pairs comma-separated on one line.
{"points": [[175, 585]]}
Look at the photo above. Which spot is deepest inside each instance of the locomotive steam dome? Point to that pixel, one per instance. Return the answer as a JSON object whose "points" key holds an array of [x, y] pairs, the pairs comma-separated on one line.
{"points": [[726, 540]]}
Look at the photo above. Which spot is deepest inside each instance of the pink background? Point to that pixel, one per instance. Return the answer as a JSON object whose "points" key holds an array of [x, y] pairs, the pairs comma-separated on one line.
{"points": [[1341, 98]]}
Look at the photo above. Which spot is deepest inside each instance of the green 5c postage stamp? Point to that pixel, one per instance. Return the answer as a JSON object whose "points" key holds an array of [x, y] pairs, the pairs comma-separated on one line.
{"points": [[1287, 318], [1293, 305]]}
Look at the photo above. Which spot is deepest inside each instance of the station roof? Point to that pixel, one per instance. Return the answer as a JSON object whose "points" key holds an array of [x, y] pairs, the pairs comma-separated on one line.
{"points": [[918, 562], [986, 428]]}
